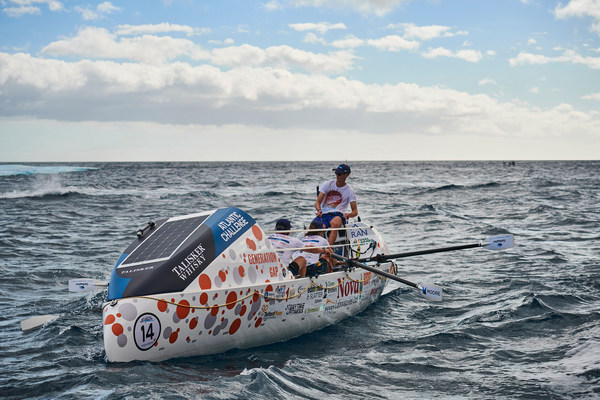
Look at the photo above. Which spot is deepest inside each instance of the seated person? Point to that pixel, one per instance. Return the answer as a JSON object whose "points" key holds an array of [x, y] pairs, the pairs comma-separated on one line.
{"points": [[283, 240], [317, 254], [333, 200]]}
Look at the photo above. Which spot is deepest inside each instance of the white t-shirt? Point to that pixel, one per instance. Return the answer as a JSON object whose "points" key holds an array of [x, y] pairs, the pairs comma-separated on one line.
{"points": [[336, 198], [281, 241], [311, 241]]}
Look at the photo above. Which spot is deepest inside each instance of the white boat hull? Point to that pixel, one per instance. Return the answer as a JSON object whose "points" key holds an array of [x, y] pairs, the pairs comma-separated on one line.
{"points": [[163, 326]]}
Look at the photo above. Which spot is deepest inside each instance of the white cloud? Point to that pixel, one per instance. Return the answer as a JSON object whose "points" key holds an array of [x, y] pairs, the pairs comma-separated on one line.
{"points": [[393, 43], [18, 8], [349, 42], [524, 58], [581, 8], [578, 8], [367, 7], [486, 81], [87, 13], [592, 96], [282, 56], [569, 56], [55, 5], [101, 10], [159, 28], [22, 70], [239, 55], [107, 7], [313, 39], [99, 43], [16, 12], [182, 94], [473, 56], [534, 90], [427, 32], [321, 27], [228, 41], [273, 5], [531, 41]]}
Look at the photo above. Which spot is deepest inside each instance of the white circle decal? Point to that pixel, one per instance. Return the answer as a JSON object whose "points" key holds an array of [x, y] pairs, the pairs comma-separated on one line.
{"points": [[146, 331]]}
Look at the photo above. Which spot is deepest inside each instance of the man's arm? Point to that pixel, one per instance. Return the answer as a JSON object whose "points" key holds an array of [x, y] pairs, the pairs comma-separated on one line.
{"points": [[320, 198], [354, 211]]}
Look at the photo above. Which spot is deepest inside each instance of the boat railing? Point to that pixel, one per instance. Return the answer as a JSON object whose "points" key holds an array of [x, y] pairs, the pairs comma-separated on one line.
{"points": [[319, 230]]}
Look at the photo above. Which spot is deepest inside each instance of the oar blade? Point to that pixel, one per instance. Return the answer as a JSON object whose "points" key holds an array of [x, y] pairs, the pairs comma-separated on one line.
{"points": [[85, 285], [35, 322], [500, 242], [431, 292]]}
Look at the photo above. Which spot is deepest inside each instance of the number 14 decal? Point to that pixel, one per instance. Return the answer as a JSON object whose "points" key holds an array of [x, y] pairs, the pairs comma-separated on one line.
{"points": [[146, 331]]}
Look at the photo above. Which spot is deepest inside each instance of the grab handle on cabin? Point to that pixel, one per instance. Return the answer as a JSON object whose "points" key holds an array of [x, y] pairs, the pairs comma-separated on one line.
{"points": [[140, 232]]}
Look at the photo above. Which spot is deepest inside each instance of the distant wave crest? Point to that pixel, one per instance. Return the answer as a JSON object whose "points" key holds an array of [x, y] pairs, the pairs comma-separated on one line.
{"points": [[18, 169], [464, 187], [49, 192]]}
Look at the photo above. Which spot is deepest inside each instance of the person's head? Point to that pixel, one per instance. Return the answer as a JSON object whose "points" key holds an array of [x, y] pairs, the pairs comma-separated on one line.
{"points": [[283, 225], [342, 171], [316, 223]]}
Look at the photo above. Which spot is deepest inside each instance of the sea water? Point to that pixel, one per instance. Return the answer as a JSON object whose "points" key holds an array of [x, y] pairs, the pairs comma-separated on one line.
{"points": [[518, 323]]}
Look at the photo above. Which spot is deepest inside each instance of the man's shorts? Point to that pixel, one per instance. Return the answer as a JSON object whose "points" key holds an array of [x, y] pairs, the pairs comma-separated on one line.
{"points": [[326, 218]]}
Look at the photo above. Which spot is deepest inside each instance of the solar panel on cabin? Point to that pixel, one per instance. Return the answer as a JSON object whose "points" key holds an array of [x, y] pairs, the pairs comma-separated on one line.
{"points": [[163, 242]]}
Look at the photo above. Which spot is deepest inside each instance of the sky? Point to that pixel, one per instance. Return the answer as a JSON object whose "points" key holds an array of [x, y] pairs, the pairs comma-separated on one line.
{"points": [[192, 80]]}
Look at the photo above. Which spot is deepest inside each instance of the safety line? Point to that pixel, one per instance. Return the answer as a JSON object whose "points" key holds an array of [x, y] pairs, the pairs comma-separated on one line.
{"points": [[256, 292]]}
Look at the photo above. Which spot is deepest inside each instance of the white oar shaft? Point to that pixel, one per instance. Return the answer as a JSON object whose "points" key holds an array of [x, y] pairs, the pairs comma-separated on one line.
{"points": [[428, 291]]}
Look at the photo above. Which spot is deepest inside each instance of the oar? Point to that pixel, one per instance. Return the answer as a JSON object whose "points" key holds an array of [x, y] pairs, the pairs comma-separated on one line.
{"points": [[75, 285], [429, 291], [86, 285], [35, 322], [493, 243]]}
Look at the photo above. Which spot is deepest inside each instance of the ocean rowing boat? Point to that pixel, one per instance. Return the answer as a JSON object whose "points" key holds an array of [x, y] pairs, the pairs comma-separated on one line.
{"points": [[205, 283]]}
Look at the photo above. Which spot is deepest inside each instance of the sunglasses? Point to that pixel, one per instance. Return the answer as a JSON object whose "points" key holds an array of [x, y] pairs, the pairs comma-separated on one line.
{"points": [[339, 173]]}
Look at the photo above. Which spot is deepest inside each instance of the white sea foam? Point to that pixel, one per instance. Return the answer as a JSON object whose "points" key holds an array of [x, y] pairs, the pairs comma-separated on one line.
{"points": [[18, 169]]}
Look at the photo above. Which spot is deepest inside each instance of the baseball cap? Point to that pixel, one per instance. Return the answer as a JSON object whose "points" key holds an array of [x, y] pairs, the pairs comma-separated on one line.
{"points": [[283, 225], [318, 222], [342, 168]]}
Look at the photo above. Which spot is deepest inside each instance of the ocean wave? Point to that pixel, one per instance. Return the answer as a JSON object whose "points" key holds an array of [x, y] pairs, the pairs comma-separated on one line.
{"points": [[452, 187], [42, 193], [273, 193], [54, 189], [18, 169], [446, 187]]}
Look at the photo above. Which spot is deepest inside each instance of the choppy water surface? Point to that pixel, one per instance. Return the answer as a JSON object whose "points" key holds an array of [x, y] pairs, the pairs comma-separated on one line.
{"points": [[520, 323]]}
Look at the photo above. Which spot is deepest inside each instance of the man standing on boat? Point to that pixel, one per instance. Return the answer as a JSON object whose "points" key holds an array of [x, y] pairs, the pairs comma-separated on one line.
{"points": [[333, 199]]}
